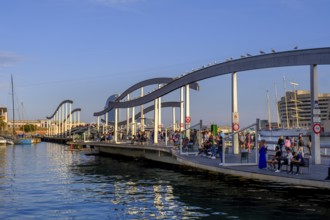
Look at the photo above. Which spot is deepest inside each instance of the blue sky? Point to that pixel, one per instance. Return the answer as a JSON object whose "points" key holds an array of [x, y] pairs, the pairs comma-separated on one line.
{"points": [[87, 50]]}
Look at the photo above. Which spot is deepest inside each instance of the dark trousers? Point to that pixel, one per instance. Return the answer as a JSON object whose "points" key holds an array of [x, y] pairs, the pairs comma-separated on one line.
{"points": [[298, 164]]}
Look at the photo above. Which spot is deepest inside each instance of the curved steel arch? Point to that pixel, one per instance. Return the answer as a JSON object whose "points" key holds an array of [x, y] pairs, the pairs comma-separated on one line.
{"points": [[143, 84], [65, 101], [148, 109], [281, 59], [138, 85], [73, 111]]}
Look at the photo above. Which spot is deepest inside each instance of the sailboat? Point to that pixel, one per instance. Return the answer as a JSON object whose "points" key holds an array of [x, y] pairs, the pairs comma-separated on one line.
{"points": [[284, 131], [22, 139]]}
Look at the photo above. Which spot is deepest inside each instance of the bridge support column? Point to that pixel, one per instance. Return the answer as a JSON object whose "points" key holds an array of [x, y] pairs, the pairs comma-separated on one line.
{"points": [[159, 111], [58, 122], [70, 120], [66, 120], [78, 120], [106, 121], [234, 110], [188, 111], [316, 154], [156, 122], [98, 123], [127, 119], [116, 125], [181, 109], [173, 119], [133, 121], [62, 120], [141, 115]]}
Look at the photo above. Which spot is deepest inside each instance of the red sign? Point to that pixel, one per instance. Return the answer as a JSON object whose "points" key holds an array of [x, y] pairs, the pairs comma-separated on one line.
{"points": [[188, 119], [317, 128], [235, 126]]}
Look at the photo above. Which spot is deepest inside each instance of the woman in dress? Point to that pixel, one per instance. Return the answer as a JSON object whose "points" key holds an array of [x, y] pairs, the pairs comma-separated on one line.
{"points": [[262, 155]]}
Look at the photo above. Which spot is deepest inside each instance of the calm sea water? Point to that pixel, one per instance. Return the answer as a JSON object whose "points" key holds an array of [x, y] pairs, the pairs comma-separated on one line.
{"points": [[47, 181]]}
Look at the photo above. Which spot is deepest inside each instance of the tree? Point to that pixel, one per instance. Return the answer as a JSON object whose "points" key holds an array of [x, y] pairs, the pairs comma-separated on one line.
{"points": [[29, 128], [3, 124]]}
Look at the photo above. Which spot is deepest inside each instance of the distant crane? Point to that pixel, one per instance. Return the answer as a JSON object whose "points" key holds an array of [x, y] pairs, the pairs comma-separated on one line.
{"points": [[273, 51]]}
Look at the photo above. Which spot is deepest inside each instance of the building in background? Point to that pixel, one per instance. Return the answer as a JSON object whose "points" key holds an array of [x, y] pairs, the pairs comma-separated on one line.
{"points": [[298, 108]]}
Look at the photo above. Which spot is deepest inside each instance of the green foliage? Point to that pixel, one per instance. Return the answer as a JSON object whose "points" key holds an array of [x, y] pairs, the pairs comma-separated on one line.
{"points": [[3, 124], [29, 128]]}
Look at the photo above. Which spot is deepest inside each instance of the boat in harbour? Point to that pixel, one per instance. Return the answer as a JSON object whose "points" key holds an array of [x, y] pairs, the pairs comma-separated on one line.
{"points": [[17, 139], [3, 141]]}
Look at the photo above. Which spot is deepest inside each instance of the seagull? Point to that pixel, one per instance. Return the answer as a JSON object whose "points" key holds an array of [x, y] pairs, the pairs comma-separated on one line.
{"points": [[273, 51], [249, 55], [296, 47], [242, 56], [262, 52]]}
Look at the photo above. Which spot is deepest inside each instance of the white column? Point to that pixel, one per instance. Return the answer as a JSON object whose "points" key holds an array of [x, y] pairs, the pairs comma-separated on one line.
{"points": [[142, 114], [62, 119], [78, 118], [59, 121], [98, 123], [127, 118], [70, 119], [159, 111], [48, 129], [74, 119], [181, 109], [133, 121], [187, 110], [106, 121], [316, 154], [116, 125], [66, 119], [234, 110], [156, 122], [173, 119]]}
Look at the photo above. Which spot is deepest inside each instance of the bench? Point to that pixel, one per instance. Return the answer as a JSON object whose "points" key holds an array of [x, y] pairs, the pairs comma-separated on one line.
{"points": [[306, 159], [301, 166]]}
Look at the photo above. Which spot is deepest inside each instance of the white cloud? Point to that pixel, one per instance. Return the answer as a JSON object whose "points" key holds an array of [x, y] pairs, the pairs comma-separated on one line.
{"points": [[8, 59]]}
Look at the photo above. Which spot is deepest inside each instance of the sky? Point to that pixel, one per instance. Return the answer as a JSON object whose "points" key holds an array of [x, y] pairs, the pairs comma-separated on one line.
{"points": [[87, 50]]}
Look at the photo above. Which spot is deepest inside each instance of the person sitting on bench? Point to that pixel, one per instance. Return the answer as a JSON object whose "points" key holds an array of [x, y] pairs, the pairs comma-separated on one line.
{"points": [[297, 160], [276, 159]]}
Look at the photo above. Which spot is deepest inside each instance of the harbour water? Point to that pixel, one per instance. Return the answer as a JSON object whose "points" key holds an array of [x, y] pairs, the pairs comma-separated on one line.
{"points": [[48, 181]]}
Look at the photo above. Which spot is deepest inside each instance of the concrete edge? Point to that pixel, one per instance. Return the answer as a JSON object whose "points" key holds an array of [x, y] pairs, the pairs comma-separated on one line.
{"points": [[258, 176]]}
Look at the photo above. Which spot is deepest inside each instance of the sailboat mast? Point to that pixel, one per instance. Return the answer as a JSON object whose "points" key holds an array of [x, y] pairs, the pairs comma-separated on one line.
{"points": [[286, 105], [295, 102], [268, 105], [276, 99], [12, 96]]}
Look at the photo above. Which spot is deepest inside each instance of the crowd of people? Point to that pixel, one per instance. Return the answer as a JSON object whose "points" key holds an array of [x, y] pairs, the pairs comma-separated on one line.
{"points": [[289, 151], [212, 145]]}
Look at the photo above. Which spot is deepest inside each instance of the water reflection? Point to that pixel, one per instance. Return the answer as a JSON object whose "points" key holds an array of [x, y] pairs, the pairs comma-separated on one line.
{"points": [[188, 193], [48, 181]]}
